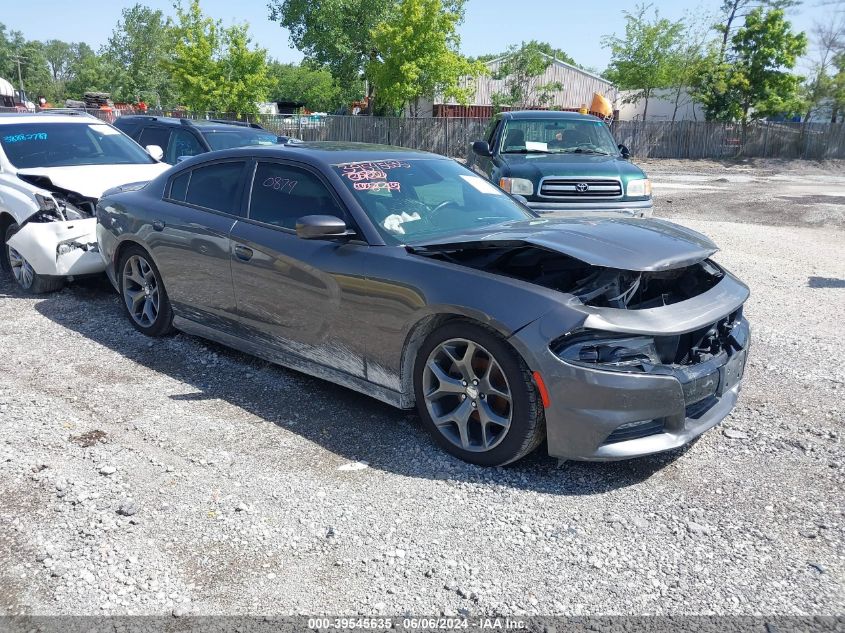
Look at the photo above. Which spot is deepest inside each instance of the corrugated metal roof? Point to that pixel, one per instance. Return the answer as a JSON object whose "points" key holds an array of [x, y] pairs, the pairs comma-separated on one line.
{"points": [[578, 85]]}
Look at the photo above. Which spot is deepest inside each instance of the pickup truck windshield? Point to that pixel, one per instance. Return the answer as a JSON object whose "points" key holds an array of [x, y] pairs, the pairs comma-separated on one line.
{"points": [[51, 144], [410, 201], [557, 136]]}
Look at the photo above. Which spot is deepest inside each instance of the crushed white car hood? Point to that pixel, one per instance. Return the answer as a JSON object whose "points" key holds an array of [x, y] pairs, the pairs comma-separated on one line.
{"points": [[92, 180]]}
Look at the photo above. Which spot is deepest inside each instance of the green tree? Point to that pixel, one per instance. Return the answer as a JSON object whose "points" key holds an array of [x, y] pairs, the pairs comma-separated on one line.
{"points": [[136, 54], [11, 43], [642, 61], [762, 52], [314, 87], [419, 56], [244, 72], [545, 47], [819, 88], [213, 68], [89, 73], [735, 11], [36, 72], [691, 56], [336, 34], [521, 70], [837, 88], [192, 65]]}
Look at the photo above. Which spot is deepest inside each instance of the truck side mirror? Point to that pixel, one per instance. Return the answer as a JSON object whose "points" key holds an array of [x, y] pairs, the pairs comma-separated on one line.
{"points": [[481, 148], [624, 151]]}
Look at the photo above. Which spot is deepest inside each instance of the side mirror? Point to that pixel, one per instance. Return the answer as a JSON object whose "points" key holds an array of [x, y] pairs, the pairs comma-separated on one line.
{"points": [[155, 151], [624, 151], [481, 148], [320, 227]]}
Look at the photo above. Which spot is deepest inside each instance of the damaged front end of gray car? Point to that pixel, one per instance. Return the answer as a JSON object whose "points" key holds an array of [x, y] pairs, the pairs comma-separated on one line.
{"points": [[635, 360]]}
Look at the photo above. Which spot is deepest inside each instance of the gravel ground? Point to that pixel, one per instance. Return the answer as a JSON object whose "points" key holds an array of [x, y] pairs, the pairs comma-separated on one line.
{"points": [[174, 476]]}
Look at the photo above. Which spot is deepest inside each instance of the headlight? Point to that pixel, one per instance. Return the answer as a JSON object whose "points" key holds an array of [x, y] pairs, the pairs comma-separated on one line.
{"points": [[636, 353], [48, 210], [46, 203], [639, 187], [520, 186]]}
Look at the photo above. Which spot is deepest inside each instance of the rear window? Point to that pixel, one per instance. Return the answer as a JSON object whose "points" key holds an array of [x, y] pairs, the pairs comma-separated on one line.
{"points": [[179, 187], [212, 186], [227, 139]]}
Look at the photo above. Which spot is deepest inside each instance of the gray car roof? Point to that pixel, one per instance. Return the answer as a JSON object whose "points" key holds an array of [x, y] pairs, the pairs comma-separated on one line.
{"points": [[321, 153]]}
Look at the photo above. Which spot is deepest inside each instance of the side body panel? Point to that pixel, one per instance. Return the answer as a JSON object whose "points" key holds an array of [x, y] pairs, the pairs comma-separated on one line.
{"points": [[301, 296], [193, 253]]}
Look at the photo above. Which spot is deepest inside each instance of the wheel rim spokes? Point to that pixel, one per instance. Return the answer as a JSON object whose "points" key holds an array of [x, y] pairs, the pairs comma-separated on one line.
{"points": [[140, 291], [21, 269], [467, 395]]}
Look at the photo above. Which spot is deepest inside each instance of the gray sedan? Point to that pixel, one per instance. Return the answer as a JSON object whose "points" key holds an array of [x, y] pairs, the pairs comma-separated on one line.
{"points": [[405, 276]]}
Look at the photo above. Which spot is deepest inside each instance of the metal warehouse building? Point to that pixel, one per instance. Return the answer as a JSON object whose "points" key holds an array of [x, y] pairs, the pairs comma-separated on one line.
{"points": [[578, 87]]}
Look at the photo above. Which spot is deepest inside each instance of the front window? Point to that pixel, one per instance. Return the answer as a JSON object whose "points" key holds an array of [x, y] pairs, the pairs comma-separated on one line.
{"points": [[412, 201], [564, 136], [46, 144], [282, 194], [227, 139]]}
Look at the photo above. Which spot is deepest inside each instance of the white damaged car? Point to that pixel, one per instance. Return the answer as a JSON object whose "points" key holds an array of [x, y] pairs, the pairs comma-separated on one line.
{"points": [[53, 169]]}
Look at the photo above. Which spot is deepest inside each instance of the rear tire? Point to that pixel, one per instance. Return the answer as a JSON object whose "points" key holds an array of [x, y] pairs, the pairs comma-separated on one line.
{"points": [[21, 270], [142, 293], [477, 396]]}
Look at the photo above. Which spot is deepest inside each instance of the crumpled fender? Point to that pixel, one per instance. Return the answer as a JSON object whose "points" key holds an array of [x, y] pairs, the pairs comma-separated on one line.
{"points": [[59, 248]]}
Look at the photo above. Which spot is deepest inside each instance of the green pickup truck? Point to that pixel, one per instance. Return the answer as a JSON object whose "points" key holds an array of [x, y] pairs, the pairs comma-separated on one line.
{"points": [[561, 162]]}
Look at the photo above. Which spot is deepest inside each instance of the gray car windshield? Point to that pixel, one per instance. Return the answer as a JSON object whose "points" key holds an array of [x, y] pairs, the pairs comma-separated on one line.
{"points": [[412, 201], [46, 144], [550, 136], [228, 139]]}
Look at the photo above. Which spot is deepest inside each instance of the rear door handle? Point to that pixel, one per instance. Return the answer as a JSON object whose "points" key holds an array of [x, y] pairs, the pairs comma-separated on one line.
{"points": [[243, 253], [158, 225]]}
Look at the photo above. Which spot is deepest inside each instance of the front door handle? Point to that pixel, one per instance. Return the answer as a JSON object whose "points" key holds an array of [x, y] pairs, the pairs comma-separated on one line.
{"points": [[158, 225], [243, 253]]}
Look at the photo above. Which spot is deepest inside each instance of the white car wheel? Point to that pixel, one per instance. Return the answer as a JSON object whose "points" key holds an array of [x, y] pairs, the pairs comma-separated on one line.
{"points": [[24, 274]]}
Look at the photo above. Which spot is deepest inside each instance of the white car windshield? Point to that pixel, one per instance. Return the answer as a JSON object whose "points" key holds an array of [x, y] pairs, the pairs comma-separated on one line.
{"points": [[50, 144], [553, 136], [411, 201]]}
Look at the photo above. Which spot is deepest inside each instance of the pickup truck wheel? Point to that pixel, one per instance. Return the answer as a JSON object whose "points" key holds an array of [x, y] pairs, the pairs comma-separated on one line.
{"points": [[22, 272]]}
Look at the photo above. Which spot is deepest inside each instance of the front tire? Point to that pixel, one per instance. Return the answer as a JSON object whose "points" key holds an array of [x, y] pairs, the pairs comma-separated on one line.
{"points": [[143, 294], [21, 270], [476, 395]]}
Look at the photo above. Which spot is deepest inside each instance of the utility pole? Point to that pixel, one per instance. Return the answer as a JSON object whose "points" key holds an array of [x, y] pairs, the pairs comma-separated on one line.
{"points": [[18, 58]]}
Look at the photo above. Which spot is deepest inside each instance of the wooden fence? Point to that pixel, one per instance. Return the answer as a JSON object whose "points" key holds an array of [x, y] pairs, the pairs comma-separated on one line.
{"points": [[707, 139], [652, 139], [682, 139]]}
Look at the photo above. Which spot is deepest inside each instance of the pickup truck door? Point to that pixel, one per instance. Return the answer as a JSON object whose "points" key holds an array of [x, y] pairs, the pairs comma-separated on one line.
{"points": [[484, 165]]}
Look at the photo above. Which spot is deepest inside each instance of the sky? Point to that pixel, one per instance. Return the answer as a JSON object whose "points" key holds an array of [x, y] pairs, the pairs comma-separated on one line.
{"points": [[489, 26]]}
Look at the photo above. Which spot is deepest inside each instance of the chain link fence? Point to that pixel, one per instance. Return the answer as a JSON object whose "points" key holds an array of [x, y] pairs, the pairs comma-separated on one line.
{"points": [[645, 139]]}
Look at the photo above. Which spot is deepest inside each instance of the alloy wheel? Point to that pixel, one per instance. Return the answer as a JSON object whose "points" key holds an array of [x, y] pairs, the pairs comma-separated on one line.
{"points": [[467, 395], [140, 291], [22, 270]]}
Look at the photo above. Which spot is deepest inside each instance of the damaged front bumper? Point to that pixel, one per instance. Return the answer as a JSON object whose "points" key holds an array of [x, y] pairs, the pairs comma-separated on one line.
{"points": [[61, 249], [595, 413]]}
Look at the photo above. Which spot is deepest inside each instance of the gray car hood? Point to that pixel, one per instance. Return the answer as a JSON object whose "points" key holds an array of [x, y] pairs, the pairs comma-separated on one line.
{"points": [[638, 244]]}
